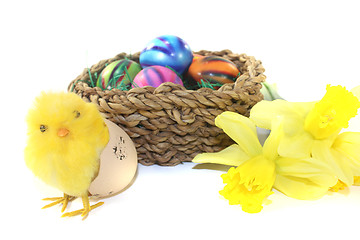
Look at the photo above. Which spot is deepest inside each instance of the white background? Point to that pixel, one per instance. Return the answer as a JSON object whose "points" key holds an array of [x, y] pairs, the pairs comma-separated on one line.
{"points": [[303, 45]]}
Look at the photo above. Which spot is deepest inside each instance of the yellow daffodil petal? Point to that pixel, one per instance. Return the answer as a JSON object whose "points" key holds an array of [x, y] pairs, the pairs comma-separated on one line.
{"points": [[312, 169], [332, 112], [340, 169], [231, 156], [271, 144], [348, 145], [354, 123], [346, 166], [242, 130], [356, 91], [249, 184], [264, 112], [299, 188], [297, 146]]}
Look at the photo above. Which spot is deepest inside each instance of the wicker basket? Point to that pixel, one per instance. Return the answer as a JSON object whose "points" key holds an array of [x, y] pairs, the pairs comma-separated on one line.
{"points": [[170, 124]]}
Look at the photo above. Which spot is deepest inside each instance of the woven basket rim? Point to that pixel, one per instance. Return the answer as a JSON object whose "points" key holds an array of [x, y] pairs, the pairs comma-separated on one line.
{"points": [[255, 70]]}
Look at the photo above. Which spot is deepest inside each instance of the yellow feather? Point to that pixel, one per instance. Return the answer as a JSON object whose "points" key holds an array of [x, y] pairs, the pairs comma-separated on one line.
{"points": [[71, 162]]}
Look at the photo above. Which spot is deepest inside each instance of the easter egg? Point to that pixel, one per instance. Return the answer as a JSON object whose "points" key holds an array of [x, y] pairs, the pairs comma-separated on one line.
{"points": [[213, 71], [154, 76], [196, 57], [118, 164], [118, 74], [167, 50]]}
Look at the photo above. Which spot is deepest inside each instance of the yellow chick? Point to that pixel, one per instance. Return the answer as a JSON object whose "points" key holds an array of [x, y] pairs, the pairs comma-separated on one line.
{"points": [[65, 138]]}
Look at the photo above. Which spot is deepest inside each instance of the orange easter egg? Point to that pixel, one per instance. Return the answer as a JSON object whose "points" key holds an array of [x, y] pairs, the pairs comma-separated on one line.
{"points": [[213, 71]]}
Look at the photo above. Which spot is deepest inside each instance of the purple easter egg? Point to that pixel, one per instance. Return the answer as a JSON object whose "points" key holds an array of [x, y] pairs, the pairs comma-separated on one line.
{"points": [[154, 76]]}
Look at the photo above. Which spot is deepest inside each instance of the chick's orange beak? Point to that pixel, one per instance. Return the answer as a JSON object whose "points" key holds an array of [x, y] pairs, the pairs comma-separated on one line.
{"points": [[63, 132]]}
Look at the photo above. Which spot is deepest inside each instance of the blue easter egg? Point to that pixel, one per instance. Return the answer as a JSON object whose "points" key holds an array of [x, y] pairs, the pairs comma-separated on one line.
{"points": [[167, 51]]}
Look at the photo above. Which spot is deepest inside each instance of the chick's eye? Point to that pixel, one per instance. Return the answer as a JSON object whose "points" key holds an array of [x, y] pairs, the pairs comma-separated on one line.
{"points": [[77, 114], [43, 128]]}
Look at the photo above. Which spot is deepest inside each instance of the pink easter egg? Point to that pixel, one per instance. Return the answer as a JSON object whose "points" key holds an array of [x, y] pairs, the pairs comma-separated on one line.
{"points": [[154, 76]]}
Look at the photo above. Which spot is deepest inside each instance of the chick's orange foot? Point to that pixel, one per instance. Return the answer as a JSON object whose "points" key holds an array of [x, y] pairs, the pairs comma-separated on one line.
{"points": [[59, 200], [85, 211]]}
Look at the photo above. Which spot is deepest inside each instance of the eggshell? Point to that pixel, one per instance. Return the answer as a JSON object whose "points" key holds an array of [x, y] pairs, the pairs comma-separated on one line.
{"points": [[213, 70], [196, 57], [167, 50], [118, 164], [118, 74], [154, 76]]}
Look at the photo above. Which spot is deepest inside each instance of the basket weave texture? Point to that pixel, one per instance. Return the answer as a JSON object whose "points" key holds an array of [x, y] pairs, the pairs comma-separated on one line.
{"points": [[170, 124]]}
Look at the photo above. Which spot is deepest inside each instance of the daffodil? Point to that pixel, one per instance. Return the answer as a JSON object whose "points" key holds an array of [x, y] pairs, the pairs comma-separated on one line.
{"points": [[256, 169], [312, 129], [356, 91]]}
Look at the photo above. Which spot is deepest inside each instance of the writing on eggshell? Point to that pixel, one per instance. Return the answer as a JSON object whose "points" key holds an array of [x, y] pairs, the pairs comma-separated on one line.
{"points": [[154, 76], [118, 164]]}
